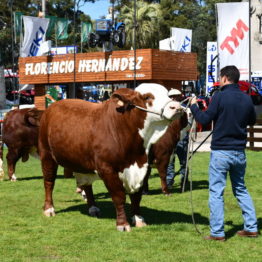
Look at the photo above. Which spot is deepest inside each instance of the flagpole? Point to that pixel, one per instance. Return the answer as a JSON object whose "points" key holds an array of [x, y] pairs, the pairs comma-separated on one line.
{"points": [[135, 43], [249, 13], [43, 8]]}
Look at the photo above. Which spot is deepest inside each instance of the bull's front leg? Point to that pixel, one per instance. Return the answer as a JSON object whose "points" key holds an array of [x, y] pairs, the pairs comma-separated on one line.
{"points": [[137, 219], [117, 192], [49, 168], [162, 170]]}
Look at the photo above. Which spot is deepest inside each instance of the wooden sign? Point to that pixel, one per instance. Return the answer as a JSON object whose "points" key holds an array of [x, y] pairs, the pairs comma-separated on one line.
{"points": [[151, 65]]}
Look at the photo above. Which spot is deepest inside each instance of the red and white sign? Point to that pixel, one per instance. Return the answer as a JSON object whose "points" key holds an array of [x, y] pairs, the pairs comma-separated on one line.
{"points": [[233, 36]]}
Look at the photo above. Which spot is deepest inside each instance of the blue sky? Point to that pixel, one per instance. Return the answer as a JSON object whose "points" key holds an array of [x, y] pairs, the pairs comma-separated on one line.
{"points": [[96, 10]]}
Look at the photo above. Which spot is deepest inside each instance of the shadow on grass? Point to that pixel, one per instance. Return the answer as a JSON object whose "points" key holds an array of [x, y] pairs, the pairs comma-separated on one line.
{"points": [[196, 185], [151, 216], [40, 177]]}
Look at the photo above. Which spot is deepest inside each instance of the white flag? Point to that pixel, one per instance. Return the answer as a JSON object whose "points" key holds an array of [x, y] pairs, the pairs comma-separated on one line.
{"points": [[34, 36], [181, 39], [165, 44], [233, 36], [211, 66]]}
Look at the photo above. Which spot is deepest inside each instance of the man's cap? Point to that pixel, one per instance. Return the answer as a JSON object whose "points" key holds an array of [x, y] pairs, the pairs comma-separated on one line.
{"points": [[174, 92]]}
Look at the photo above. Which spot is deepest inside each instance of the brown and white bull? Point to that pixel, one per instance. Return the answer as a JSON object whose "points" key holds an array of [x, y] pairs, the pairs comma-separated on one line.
{"points": [[20, 135], [109, 140]]}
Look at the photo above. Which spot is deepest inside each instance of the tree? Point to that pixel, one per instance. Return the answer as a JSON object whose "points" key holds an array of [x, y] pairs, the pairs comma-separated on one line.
{"points": [[147, 24]]}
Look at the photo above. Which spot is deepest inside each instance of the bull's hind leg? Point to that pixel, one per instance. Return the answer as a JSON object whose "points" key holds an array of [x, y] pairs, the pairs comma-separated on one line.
{"points": [[49, 169], [93, 210], [137, 219], [12, 157]]}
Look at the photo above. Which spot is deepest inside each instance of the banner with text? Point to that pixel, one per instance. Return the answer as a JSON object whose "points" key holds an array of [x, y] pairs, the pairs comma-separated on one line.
{"points": [[34, 35], [181, 39], [233, 36], [211, 66]]}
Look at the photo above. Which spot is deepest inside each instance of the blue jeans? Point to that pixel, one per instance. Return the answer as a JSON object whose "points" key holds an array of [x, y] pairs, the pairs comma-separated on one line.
{"points": [[181, 152], [234, 162]]}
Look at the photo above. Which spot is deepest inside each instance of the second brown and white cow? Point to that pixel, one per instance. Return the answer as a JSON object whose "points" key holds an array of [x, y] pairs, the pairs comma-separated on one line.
{"points": [[109, 140], [161, 151]]}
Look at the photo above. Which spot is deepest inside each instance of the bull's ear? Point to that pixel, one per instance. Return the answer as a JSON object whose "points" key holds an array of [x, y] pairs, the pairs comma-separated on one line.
{"points": [[148, 98], [33, 116], [121, 102]]}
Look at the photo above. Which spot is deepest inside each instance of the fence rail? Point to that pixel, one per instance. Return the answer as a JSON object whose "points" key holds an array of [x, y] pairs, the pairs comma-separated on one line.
{"points": [[255, 136]]}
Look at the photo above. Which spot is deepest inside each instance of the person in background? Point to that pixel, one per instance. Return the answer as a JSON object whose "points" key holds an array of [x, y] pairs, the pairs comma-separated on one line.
{"points": [[232, 111], [180, 151]]}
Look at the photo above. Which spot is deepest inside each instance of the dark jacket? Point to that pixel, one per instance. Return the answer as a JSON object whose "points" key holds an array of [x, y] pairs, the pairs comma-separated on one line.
{"points": [[232, 111]]}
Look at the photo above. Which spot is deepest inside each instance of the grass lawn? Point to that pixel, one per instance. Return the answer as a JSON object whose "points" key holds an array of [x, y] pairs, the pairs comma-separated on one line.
{"points": [[26, 235]]}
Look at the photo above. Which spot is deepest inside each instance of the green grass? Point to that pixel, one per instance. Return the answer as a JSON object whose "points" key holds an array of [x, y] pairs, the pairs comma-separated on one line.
{"points": [[26, 235]]}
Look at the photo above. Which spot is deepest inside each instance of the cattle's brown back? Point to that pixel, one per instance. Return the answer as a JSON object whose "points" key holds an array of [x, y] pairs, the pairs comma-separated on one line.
{"points": [[20, 127]]}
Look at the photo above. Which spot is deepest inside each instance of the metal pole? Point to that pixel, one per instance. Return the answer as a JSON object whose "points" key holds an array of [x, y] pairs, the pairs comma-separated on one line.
{"points": [[43, 8], [218, 58], [135, 43], [12, 47], [249, 13], [74, 84]]}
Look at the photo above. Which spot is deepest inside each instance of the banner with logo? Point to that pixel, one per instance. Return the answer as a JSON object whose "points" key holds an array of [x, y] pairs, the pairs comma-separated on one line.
{"points": [[181, 39], [233, 36], [34, 35], [61, 28], [17, 24], [51, 26], [86, 28], [211, 66]]}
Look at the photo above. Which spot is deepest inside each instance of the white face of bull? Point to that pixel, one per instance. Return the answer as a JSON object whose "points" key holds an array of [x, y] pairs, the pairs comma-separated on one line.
{"points": [[162, 104], [156, 124]]}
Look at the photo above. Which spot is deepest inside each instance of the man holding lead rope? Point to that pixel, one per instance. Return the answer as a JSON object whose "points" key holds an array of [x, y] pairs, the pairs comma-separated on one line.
{"points": [[232, 111]]}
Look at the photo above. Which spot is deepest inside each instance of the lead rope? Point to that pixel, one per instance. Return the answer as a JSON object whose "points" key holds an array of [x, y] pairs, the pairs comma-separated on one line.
{"points": [[188, 172]]}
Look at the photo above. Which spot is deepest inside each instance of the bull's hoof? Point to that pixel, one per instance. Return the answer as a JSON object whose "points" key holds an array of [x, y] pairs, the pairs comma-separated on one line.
{"points": [[138, 221], [123, 228], [78, 190], [94, 211], [167, 193], [13, 178], [50, 212]]}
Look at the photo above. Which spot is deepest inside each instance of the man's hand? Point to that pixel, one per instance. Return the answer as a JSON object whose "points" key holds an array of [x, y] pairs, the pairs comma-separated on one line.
{"points": [[193, 100]]}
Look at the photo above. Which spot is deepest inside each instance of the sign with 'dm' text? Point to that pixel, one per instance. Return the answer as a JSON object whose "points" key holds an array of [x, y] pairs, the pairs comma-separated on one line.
{"points": [[233, 36]]}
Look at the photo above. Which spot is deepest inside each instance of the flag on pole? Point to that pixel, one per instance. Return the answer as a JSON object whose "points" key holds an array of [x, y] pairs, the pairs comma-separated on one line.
{"points": [[61, 28], [35, 29], [51, 26], [17, 24], [86, 28], [233, 36], [211, 66], [181, 39]]}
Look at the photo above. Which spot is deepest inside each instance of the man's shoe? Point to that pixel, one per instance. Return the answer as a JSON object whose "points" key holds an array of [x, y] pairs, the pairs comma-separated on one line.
{"points": [[215, 238], [243, 233]]}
